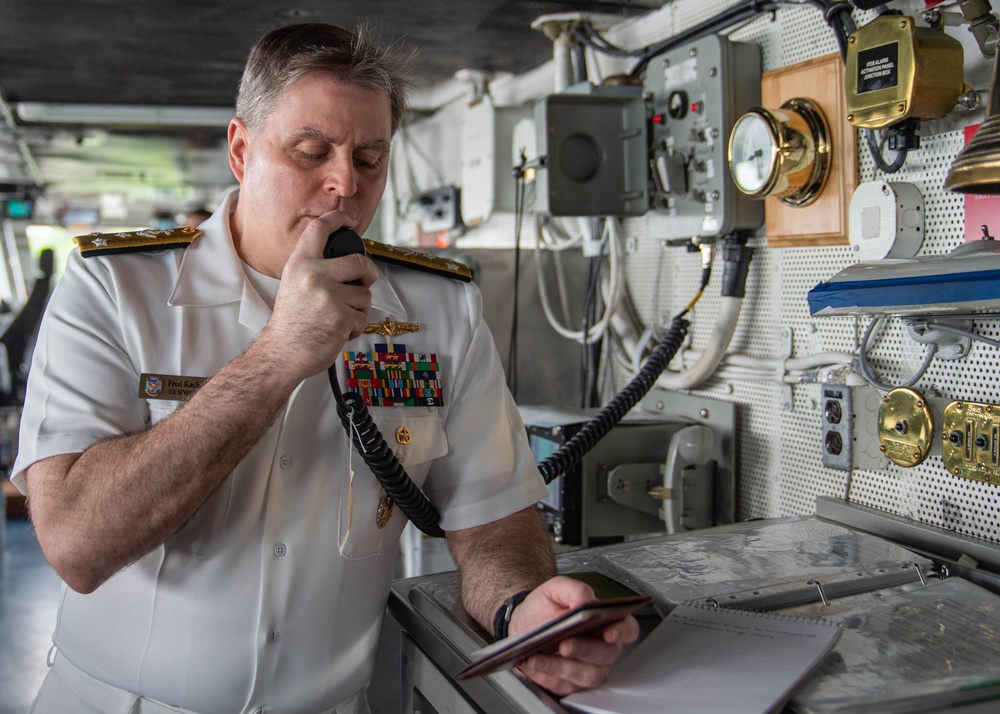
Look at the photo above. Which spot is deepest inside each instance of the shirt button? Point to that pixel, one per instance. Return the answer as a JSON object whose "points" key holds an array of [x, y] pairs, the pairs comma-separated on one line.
{"points": [[280, 550], [271, 636], [285, 461]]}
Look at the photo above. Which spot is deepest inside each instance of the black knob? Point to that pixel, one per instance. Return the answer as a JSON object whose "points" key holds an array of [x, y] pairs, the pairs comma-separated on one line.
{"points": [[677, 104]]}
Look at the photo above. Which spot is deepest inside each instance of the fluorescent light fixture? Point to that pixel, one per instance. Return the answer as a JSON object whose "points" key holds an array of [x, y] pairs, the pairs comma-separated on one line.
{"points": [[123, 114]]}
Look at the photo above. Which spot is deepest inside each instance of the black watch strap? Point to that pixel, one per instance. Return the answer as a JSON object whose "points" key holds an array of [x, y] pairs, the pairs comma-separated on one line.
{"points": [[501, 620]]}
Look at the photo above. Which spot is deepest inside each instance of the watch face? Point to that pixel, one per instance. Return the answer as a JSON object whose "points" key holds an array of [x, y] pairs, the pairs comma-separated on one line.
{"points": [[751, 153]]}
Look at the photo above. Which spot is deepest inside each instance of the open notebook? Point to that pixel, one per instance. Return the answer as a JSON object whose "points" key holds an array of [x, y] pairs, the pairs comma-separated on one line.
{"points": [[707, 659]]}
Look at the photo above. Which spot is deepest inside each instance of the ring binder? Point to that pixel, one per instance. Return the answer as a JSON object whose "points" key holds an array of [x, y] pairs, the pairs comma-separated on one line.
{"points": [[764, 614], [763, 566], [819, 589], [913, 639], [920, 574], [911, 648]]}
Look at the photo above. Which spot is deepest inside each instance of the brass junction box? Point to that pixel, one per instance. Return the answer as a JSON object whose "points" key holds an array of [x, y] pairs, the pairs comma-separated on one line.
{"points": [[895, 70], [905, 427]]}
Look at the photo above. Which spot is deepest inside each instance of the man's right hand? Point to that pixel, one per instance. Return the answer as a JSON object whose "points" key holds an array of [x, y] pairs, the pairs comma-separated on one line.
{"points": [[317, 311]]}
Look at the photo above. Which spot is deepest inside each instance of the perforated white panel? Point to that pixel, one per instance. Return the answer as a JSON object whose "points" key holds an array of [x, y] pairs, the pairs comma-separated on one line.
{"points": [[780, 470], [779, 451]]}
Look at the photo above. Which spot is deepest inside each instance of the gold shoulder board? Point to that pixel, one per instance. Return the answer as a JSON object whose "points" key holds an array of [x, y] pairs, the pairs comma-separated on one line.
{"points": [[407, 258], [94, 244]]}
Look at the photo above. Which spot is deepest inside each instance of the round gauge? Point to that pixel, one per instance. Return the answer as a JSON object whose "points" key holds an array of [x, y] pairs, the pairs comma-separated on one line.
{"points": [[753, 151], [783, 152]]}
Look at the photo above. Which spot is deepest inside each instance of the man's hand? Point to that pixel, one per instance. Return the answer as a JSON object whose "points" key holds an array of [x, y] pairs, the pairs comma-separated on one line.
{"points": [[580, 662], [317, 311], [514, 554]]}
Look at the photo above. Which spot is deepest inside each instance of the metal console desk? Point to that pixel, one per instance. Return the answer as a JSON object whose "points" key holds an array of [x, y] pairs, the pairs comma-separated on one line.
{"points": [[436, 641], [438, 637]]}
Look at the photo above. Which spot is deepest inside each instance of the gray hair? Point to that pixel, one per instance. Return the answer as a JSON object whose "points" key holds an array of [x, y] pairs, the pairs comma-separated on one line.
{"points": [[284, 55]]}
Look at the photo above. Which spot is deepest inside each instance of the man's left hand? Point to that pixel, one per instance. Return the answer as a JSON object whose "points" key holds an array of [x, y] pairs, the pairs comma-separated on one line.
{"points": [[580, 662]]}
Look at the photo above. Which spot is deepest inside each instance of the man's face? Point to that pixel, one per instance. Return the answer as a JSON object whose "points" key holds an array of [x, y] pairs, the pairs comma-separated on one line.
{"points": [[324, 147]]}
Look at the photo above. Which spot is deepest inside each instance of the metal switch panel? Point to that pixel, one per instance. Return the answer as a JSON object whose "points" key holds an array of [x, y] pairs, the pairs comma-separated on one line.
{"points": [[970, 441], [699, 91]]}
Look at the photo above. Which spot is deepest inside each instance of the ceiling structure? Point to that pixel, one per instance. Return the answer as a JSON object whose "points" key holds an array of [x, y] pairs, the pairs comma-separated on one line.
{"points": [[116, 58]]}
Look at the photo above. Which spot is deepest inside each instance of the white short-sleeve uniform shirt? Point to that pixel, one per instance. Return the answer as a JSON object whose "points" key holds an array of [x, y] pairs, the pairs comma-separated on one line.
{"points": [[252, 605]]}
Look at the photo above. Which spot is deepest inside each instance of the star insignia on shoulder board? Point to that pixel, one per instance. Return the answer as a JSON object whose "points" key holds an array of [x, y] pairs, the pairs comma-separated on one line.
{"points": [[95, 244]]}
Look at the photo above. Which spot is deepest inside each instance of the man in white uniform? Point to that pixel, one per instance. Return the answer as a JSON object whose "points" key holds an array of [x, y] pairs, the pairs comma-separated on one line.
{"points": [[225, 549]]}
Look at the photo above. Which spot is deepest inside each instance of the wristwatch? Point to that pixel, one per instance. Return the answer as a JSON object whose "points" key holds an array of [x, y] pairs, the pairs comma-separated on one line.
{"points": [[501, 620]]}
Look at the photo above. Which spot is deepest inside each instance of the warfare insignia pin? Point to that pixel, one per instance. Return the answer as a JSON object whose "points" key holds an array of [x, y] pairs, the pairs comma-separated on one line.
{"points": [[391, 328]]}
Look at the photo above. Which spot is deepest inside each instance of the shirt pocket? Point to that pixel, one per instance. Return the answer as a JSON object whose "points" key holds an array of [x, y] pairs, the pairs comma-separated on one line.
{"points": [[200, 536], [416, 439]]}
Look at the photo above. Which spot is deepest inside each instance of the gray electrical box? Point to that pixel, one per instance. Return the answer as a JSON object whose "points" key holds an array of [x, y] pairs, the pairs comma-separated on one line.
{"points": [[642, 477], [698, 92], [440, 209], [849, 427], [591, 145]]}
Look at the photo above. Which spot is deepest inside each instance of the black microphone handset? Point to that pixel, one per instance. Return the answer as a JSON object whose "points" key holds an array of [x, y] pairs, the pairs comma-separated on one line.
{"points": [[343, 241], [370, 443]]}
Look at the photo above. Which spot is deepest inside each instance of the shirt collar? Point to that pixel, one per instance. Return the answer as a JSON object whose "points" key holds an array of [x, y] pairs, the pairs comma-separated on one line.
{"points": [[211, 273], [384, 297]]}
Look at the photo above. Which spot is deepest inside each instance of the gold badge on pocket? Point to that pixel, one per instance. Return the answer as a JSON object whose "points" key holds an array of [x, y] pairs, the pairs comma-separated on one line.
{"points": [[384, 512]]}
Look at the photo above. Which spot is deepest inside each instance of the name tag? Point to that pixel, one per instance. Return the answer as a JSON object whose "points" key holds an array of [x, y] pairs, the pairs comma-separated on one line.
{"points": [[169, 386]]}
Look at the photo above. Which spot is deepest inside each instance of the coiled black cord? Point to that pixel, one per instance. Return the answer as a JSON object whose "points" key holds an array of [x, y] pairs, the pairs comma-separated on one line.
{"points": [[597, 428], [375, 451], [379, 457]]}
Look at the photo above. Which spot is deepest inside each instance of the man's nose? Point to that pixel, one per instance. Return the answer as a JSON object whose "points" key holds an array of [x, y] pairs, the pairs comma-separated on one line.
{"points": [[341, 177]]}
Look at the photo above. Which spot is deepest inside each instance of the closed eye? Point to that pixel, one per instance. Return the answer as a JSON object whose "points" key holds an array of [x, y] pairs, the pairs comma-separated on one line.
{"points": [[367, 165], [310, 155]]}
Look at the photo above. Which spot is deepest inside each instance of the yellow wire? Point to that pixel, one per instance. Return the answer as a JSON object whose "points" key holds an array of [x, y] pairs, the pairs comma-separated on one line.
{"points": [[690, 305]]}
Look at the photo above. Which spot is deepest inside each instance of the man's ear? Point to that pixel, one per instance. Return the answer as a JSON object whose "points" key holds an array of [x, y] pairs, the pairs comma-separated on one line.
{"points": [[239, 140]]}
